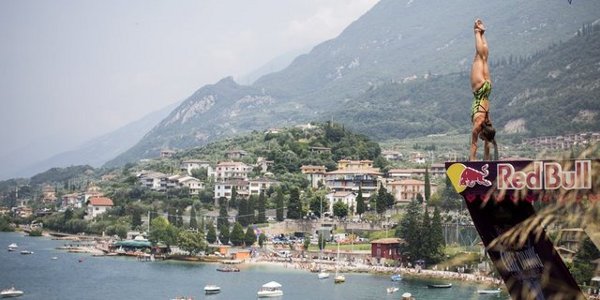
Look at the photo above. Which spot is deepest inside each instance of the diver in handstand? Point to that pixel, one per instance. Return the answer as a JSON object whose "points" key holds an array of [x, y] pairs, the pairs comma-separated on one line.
{"points": [[481, 86]]}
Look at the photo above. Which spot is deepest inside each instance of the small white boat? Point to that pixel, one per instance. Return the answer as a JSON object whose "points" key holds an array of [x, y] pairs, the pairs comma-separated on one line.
{"points": [[396, 277], [270, 289], [10, 292], [24, 252], [340, 278], [212, 289], [323, 275], [392, 290], [440, 286], [12, 247], [496, 291]]}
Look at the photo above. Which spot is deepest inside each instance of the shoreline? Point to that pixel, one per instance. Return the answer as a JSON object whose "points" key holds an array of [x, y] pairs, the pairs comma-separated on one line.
{"points": [[423, 274], [300, 264]]}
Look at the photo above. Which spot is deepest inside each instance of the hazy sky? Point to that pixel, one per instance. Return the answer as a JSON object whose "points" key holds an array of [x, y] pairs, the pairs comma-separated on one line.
{"points": [[72, 70]]}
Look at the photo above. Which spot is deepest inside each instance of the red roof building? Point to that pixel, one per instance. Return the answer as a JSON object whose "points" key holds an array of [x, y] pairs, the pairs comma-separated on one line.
{"points": [[97, 206]]}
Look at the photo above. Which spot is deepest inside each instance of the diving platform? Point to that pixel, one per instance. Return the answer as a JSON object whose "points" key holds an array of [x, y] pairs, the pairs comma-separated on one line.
{"points": [[500, 197]]}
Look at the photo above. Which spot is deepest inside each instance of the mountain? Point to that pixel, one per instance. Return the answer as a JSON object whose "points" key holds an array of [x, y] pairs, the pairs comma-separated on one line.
{"points": [[274, 65], [395, 42], [99, 150], [551, 92]]}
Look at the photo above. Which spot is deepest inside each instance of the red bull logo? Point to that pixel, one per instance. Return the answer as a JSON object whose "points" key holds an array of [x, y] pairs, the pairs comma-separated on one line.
{"points": [[462, 176], [536, 175]]}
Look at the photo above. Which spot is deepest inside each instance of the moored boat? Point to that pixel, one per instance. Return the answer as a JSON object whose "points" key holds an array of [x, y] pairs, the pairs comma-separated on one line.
{"points": [[12, 247], [10, 292], [392, 290], [323, 275], [212, 289], [24, 252], [396, 277], [440, 286], [270, 289], [496, 291], [227, 269]]}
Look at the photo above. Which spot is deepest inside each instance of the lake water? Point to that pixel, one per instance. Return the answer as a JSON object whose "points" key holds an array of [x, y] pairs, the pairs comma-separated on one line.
{"points": [[42, 277]]}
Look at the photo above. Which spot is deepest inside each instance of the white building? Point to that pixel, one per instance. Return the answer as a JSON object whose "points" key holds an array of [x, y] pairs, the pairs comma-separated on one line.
{"points": [[97, 206], [231, 170], [154, 180], [349, 198], [258, 185], [193, 164], [406, 190], [194, 185]]}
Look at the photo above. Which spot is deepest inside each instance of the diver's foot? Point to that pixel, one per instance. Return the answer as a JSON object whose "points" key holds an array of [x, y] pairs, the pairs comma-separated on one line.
{"points": [[479, 27]]}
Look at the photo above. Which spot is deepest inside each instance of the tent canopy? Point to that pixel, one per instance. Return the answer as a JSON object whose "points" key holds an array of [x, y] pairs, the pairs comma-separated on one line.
{"points": [[133, 243]]}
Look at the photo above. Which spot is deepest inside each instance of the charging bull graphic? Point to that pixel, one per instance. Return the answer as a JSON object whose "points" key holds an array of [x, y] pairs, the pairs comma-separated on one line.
{"points": [[470, 176], [462, 176]]}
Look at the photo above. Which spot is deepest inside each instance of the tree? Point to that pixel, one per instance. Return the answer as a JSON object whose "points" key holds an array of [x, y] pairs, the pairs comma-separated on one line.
{"points": [[5, 224], [389, 199], [200, 173], [224, 234], [193, 221], [243, 212], [426, 244], [437, 236], [410, 228], [306, 243], [294, 207], [317, 203], [223, 220], [250, 237], [322, 242], [262, 218], [162, 231], [427, 188], [340, 209], [420, 198], [583, 268], [381, 203], [279, 205], [172, 215], [233, 203], [179, 219], [251, 208], [136, 218], [360, 203], [211, 235], [237, 234], [67, 216], [191, 241], [261, 239]]}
